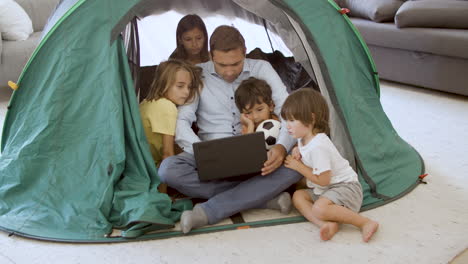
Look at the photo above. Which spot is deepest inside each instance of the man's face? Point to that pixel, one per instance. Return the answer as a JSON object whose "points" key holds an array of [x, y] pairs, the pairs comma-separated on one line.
{"points": [[228, 64]]}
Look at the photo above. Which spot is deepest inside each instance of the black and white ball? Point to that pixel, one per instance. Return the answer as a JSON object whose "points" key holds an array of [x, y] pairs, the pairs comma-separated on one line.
{"points": [[270, 129]]}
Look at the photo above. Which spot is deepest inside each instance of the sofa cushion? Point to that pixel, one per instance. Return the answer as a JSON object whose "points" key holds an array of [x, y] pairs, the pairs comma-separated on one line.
{"points": [[433, 14], [376, 10], [39, 11], [14, 22], [439, 41]]}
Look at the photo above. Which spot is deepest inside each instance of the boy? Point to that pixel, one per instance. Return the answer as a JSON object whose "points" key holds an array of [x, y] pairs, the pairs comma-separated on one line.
{"points": [[335, 194], [254, 100]]}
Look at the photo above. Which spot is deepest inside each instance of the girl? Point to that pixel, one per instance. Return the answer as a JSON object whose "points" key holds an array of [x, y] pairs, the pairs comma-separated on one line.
{"points": [[192, 40], [335, 194], [175, 83]]}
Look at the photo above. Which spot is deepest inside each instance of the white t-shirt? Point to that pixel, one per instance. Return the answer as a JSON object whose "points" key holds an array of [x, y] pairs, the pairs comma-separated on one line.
{"points": [[321, 155]]}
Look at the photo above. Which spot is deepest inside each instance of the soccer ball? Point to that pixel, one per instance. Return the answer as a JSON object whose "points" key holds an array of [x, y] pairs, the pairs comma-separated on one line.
{"points": [[270, 129]]}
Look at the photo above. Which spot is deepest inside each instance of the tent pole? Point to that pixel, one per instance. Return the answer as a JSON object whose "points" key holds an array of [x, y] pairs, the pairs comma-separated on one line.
{"points": [[268, 35]]}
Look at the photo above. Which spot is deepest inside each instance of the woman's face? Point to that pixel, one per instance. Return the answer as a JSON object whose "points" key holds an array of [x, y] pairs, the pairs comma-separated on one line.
{"points": [[193, 41]]}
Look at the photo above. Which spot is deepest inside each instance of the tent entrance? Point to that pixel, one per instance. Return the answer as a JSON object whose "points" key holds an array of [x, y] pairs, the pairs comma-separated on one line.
{"points": [[301, 70], [335, 58], [75, 162]]}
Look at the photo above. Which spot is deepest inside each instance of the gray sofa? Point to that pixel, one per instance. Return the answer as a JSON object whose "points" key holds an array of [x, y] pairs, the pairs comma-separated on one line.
{"points": [[422, 43], [15, 54]]}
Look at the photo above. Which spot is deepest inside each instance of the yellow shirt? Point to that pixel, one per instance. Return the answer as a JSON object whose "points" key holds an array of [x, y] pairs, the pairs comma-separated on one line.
{"points": [[159, 117]]}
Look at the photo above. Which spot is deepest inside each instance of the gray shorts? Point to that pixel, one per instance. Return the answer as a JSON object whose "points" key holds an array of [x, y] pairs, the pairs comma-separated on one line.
{"points": [[347, 194]]}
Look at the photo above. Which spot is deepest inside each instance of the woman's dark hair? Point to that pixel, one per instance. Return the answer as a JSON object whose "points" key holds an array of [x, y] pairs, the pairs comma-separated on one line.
{"points": [[188, 23]]}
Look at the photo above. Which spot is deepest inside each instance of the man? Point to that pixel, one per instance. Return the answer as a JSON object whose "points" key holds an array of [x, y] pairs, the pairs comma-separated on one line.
{"points": [[217, 116]]}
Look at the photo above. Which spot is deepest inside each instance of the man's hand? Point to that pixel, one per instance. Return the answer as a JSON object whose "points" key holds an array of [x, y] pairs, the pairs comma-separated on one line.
{"points": [[275, 158], [295, 153]]}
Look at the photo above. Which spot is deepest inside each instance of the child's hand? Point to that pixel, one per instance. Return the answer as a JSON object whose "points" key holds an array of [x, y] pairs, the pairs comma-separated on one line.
{"points": [[292, 163], [245, 120], [248, 125], [295, 153]]}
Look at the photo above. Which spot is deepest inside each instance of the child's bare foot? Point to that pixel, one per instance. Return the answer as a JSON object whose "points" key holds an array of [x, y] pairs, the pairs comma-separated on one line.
{"points": [[369, 228], [328, 230]]}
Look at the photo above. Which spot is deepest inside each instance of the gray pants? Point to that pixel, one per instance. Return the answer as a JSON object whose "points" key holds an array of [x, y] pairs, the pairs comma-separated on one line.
{"points": [[225, 198]]}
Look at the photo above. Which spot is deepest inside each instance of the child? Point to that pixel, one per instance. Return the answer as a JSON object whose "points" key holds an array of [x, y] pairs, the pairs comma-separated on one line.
{"points": [[336, 194], [192, 40], [175, 83], [254, 101]]}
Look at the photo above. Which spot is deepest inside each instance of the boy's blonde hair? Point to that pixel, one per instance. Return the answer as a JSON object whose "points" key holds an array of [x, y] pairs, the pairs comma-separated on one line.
{"points": [[164, 78], [309, 107]]}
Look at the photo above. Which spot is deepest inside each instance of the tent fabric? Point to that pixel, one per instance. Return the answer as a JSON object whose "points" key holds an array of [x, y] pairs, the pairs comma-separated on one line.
{"points": [[75, 163], [350, 80]]}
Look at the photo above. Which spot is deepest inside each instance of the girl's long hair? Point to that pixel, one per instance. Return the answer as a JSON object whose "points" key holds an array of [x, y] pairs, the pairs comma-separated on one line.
{"points": [[165, 75], [188, 23]]}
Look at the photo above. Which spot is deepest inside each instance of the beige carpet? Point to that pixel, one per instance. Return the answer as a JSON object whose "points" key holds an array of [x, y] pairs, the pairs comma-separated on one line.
{"points": [[429, 225]]}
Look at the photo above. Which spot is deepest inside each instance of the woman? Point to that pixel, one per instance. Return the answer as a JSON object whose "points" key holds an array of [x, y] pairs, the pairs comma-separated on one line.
{"points": [[192, 40]]}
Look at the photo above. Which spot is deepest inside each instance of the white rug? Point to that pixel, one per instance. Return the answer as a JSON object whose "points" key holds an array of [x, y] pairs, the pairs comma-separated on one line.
{"points": [[429, 225]]}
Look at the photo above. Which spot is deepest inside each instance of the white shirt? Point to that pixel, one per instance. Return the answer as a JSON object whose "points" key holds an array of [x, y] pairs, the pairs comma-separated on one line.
{"points": [[321, 155]]}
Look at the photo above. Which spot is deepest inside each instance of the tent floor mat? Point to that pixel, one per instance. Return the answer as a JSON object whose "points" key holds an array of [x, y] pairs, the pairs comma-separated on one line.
{"points": [[244, 220]]}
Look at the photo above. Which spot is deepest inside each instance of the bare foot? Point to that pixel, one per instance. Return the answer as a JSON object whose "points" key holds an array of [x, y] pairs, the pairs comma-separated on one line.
{"points": [[369, 228], [328, 230]]}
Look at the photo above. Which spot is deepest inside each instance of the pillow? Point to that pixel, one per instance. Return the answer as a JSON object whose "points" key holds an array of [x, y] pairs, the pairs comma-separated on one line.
{"points": [[433, 14], [14, 22], [376, 10]]}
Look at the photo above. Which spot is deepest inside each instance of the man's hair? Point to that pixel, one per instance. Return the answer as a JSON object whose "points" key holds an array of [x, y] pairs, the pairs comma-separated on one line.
{"points": [[301, 104], [226, 38], [252, 91], [187, 23], [165, 75]]}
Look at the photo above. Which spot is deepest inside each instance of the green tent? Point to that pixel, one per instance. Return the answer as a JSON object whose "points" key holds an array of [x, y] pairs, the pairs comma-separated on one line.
{"points": [[75, 163]]}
